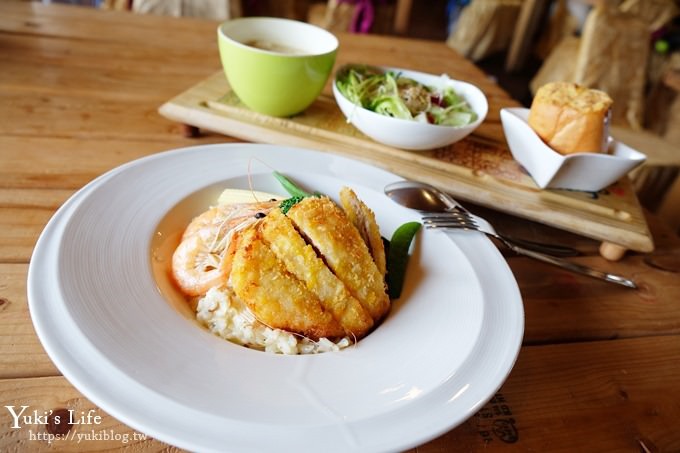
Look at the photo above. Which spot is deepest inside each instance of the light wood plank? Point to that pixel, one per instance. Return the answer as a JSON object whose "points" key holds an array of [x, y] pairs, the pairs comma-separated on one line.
{"points": [[23, 215], [614, 396], [83, 118], [56, 394], [563, 307], [22, 354], [67, 163], [21, 229], [87, 67], [75, 22]]}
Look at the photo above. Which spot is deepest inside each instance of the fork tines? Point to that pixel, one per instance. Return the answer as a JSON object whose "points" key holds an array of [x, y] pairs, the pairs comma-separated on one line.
{"points": [[454, 219]]}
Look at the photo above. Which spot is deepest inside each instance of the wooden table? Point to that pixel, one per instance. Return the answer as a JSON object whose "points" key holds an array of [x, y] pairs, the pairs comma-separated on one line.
{"points": [[79, 91]]}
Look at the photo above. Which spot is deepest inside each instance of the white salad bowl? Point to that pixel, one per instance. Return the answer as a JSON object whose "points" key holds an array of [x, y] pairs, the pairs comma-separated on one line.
{"points": [[411, 134], [581, 171]]}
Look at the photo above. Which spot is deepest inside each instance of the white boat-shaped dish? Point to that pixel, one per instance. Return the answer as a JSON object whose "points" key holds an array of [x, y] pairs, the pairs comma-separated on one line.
{"points": [[549, 169]]}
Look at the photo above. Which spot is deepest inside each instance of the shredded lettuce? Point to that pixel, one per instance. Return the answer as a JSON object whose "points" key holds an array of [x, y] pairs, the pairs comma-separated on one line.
{"points": [[392, 94]]}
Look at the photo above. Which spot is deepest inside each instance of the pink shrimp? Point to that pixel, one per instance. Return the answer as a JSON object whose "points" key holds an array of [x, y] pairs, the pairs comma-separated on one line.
{"points": [[223, 217], [203, 258]]}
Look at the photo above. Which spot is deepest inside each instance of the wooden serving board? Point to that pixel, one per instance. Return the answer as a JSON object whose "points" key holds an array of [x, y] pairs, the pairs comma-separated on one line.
{"points": [[477, 169]]}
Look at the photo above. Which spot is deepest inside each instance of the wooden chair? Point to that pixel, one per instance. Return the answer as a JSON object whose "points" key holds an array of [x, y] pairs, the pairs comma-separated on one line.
{"points": [[484, 27], [611, 54], [207, 9], [613, 57], [342, 16], [655, 13]]}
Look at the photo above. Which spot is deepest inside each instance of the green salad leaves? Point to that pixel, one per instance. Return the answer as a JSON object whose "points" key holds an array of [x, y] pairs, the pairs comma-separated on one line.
{"points": [[392, 94]]}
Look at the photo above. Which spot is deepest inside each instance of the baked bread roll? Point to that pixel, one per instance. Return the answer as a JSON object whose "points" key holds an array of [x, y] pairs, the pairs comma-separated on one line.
{"points": [[570, 118]]}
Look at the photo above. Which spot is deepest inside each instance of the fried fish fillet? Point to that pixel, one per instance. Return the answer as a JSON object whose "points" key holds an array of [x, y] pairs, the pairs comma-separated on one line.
{"points": [[301, 260], [275, 296], [326, 227], [363, 218]]}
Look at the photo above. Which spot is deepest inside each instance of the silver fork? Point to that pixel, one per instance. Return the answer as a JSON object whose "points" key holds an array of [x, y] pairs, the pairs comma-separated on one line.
{"points": [[465, 220]]}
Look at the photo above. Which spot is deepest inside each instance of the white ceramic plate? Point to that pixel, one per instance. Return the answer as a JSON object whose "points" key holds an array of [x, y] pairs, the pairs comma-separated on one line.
{"points": [[442, 352], [550, 169]]}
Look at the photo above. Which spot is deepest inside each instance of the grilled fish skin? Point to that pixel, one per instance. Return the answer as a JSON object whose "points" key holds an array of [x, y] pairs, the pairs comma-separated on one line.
{"points": [[301, 260], [277, 298], [326, 227]]}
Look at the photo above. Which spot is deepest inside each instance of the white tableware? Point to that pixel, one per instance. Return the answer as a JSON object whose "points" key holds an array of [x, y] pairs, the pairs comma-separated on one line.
{"points": [[409, 134], [116, 331], [550, 169]]}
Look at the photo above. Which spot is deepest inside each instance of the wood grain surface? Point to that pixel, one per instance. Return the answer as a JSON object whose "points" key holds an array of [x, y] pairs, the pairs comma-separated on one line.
{"points": [[79, 93], [480, 168]]}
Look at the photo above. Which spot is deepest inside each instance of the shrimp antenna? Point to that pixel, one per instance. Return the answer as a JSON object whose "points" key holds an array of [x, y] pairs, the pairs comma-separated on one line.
{"points": [[250, 174]]}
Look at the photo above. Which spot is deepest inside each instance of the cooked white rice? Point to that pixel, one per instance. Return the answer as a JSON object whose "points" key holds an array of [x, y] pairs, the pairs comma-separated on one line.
{"points": [[226, 316]]}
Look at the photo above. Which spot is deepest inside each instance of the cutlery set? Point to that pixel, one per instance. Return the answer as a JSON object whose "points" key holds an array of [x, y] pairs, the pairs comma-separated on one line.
{"points": [[440, 211]]}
